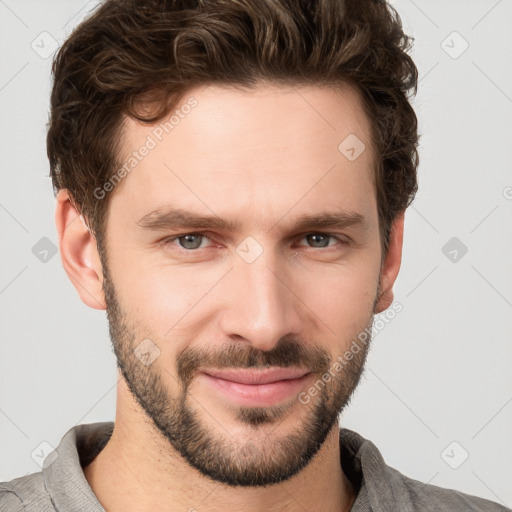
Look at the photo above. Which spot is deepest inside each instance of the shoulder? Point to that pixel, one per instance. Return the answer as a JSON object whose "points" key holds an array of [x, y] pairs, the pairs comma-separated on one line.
{"points": [[427, 497], [25, 494], [385, 488]]}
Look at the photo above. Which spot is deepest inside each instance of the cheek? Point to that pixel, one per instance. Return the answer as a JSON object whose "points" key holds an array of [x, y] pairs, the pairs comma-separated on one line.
{"points": [[341, 296], [166, 299]]}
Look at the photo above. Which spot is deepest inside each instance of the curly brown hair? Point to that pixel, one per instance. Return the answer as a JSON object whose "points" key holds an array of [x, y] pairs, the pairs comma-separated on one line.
{"points": [[127, 52]]}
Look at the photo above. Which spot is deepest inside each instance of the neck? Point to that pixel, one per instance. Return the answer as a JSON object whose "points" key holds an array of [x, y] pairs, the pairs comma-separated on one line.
{"points": [[138, 470]]}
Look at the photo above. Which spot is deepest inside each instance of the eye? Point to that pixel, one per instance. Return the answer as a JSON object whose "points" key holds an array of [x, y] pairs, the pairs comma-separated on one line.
{"points": [[191, 242], [188, 241], [321, 240]]}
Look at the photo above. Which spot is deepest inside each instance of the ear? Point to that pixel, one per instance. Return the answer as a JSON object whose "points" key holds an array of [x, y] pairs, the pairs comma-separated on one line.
{"points": [[78, 252], [391, 265]]}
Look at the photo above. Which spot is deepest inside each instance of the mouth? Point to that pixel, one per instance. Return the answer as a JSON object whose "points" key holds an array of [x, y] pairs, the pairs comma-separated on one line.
{"points": [[256, 387]]}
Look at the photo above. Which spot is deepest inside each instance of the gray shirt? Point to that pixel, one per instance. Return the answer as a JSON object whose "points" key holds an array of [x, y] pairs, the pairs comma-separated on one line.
{"points": [[61, 485]]}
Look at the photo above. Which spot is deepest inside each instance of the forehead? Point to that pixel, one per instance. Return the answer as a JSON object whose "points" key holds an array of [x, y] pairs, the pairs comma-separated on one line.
{"points": [[265, 150]]}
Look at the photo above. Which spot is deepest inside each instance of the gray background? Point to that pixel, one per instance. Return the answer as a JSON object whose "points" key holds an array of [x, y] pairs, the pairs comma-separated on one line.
{"points": [[438, 385]]}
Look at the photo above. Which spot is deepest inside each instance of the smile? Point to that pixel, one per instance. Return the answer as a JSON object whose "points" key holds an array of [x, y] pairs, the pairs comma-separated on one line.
{"points": [[252, 387]]}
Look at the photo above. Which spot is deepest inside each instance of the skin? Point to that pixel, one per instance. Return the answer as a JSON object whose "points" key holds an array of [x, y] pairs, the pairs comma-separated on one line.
{"points": [[262, 157]]}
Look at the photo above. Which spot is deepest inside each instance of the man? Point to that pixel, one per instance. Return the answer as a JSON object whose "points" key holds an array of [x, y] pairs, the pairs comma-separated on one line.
{"points": [[231, 185]]}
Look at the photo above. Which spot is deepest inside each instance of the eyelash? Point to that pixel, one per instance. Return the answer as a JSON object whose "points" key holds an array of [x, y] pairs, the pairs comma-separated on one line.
{"points": [[168, 241]]}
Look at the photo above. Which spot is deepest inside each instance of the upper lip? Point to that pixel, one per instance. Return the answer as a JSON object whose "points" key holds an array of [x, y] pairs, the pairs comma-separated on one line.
{"points": [[255, 376]]}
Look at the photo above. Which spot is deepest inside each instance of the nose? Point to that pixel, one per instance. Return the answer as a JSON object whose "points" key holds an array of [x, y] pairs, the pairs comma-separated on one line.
{"points": [[260, 303]]}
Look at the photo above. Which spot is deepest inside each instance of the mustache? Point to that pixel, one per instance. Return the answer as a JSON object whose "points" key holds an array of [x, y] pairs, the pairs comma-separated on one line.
{"points": [[288, 352]]}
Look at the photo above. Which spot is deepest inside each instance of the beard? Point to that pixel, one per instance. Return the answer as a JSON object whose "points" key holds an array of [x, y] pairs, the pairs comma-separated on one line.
{"points": [[260, 458]]}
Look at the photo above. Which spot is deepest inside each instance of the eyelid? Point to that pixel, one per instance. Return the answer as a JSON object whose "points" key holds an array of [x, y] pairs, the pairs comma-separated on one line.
{"points": [[338, 236]]}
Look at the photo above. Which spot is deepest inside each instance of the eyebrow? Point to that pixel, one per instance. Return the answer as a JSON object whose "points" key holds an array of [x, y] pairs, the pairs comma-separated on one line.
{"points": [[168, 218]]}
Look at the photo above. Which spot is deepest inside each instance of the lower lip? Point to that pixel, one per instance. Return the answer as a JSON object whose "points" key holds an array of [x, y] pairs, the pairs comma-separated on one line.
{"points": [[262, 395]]}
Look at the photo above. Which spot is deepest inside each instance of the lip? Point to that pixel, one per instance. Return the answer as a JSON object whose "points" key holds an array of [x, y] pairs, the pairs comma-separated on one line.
{"points": [[255, 388], [254, 376]]}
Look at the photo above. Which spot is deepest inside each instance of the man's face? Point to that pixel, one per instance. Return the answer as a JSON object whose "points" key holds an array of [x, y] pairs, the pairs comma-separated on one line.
{"points": [[257, 291]]}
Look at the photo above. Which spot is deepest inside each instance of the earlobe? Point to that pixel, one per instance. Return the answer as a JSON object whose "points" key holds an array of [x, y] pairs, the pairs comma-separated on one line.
{"points": [[391, 264], [78, 252]]}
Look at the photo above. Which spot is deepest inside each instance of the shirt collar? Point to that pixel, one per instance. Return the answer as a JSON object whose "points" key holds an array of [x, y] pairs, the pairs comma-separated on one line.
{"points": [[381, 487], [63, 474]]}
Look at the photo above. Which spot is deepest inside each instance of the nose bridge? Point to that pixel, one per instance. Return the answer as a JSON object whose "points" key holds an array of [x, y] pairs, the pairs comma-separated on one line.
{"points": [[261, 308]]}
